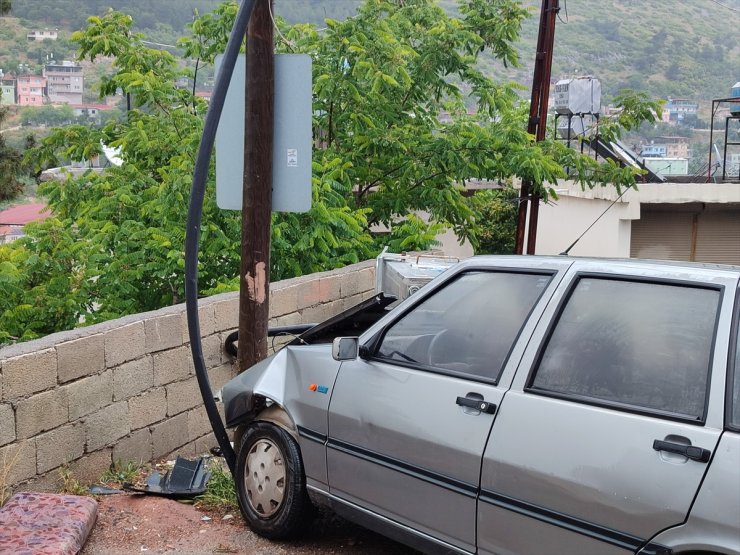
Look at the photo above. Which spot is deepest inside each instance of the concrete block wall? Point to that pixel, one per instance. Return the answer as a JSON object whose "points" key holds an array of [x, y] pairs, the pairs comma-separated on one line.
{"points": [[126, 389]]}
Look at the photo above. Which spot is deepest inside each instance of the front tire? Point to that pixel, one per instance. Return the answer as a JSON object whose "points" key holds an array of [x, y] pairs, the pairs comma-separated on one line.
{"points": [[271, 483]]}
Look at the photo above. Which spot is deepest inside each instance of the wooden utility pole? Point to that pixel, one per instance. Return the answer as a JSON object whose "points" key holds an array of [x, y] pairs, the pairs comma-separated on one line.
{"points": [[257, 196], [537, 125]]}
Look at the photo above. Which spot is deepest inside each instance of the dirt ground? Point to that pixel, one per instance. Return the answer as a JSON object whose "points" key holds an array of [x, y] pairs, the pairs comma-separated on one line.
{"points": [[147, 524]]}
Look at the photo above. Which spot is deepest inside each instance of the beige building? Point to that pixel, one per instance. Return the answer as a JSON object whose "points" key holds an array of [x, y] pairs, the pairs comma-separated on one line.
{"points": [[672, 221], [65, 83], [39, 35]]}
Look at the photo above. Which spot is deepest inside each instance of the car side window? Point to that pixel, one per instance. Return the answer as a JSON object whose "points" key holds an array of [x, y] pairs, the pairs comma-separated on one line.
{"points": [[467, 327], [639, 344]]}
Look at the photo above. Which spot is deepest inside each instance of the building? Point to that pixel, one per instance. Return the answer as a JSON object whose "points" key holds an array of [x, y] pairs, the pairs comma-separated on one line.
{"points": [[91, 111], [676, 109], [669, 221], [654, 151], [7, 92], [39, 35], [13, 219], [30, 90], [65, 83], [665, 166]]}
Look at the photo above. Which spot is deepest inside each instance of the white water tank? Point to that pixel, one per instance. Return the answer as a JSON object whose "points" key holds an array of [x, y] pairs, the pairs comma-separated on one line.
{"points": [[579, 95]]}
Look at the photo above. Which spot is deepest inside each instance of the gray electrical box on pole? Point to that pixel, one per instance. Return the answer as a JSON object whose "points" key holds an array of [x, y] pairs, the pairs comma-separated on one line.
{"points": [[293, 142]]}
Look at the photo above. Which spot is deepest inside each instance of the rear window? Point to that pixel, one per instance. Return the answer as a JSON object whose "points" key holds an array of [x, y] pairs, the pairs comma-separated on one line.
{"points": [[636, 344]]}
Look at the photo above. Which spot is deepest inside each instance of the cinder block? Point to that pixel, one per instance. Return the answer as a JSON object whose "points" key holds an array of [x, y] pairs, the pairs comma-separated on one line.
{"points": [[136, 447], [212, 350], [163, 332], [219, 375], [226, 313], [148, 408], [289, 319], [182, 396], [90, 468], [81, 357], [27, 374], [124, 344], [7, 424], [350, 284], [187, 450], [18, 461], [204, 444], [283, 300], [349, 302], [41, 412], [330, 288], [206, 319], [316, 314], [89, 394], [132, 378], [198, 423], [171, 366], [366, 280], [107, 425], [59, 446], [169, 435], [309, 294]]}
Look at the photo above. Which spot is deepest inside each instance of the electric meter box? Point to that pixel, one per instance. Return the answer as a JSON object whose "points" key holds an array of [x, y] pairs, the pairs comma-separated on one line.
{"points": [[581, 95], [402, 275]]}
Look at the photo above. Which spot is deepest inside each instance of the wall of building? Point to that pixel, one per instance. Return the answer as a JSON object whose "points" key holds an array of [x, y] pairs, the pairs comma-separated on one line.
{"points": [[126, 389], [562, 221]]}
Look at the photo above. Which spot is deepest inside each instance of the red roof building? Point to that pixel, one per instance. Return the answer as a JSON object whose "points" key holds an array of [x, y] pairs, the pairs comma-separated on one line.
{"points": [[13, 219]]}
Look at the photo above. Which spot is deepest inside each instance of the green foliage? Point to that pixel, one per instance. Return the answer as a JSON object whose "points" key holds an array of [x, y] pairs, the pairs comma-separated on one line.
{"points": [[220, 492], [394, 145], [10, 166], [496, 215]]}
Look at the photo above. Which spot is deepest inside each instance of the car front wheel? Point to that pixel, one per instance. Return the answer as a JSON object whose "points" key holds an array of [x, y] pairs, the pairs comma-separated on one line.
{"points": [[270, 482]]}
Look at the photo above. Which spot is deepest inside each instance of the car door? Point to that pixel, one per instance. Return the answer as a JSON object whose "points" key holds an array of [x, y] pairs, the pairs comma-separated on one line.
{"points": [[409, 421], [608, 428]]}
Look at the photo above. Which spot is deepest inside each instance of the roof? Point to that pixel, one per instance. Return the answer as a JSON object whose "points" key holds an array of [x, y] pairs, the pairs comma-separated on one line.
{"points": [[22, 214]]}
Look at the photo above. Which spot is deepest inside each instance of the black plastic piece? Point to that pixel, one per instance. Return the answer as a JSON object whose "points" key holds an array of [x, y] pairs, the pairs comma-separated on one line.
{"points": [[477, 404], [184, 480], [692, 452]]}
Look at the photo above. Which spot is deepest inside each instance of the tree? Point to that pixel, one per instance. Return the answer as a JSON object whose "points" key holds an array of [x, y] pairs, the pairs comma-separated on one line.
{"points": [[392, 87], [10, 166]]}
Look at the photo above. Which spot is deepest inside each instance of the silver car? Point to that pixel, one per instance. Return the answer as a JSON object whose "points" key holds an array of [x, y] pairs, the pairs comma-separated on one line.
{"points": [[513, 405]]}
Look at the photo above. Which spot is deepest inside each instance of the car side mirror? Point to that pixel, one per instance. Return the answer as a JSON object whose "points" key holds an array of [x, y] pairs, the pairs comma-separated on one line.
{"points": [[345, 348]]}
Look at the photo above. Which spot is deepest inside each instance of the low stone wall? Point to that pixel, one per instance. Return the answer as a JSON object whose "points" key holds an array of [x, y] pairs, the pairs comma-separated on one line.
{"points": [[126, 389]]}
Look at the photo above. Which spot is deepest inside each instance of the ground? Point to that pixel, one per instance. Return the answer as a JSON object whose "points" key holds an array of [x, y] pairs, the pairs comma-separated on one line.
{"points": [[142, 523]]}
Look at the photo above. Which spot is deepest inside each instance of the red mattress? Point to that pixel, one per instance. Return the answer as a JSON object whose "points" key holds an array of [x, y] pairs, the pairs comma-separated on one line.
{"points": [[40, 523]]}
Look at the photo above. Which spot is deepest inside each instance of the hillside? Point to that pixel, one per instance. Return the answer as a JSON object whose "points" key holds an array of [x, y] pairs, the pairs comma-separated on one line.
{"points": [[679, 48]]}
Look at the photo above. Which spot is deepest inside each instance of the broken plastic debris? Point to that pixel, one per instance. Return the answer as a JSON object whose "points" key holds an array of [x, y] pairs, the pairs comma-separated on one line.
{"points": [[227, 517], [184, 480], [104, 490], [205, 518]]}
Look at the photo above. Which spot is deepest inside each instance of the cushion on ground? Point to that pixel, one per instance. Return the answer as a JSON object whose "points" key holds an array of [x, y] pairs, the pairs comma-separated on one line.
{"points": [[40, 523]]}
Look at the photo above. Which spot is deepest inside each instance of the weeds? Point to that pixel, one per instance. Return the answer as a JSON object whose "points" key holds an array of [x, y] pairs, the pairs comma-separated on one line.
{"points": [[69, 484], [5, 468], [220, 493], [121, 472]]}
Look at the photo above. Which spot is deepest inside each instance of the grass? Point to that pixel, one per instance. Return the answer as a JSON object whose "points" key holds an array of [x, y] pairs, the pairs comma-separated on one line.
{"points": [[124, 471], [69, 484], [5, 468], [220, 494]]}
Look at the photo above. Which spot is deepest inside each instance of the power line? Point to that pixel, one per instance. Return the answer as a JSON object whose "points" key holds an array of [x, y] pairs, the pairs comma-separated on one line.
{"points": [[725, 6]]}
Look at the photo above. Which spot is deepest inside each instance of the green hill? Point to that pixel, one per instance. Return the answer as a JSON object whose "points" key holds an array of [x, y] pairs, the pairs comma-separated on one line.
{"points": [[678, 48]]}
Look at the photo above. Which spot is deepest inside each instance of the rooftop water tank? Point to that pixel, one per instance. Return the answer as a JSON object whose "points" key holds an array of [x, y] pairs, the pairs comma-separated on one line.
{"points": [[580, 95], [735, 93]]}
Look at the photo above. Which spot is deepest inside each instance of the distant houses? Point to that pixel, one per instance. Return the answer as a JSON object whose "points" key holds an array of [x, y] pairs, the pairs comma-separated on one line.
{"points": [[59, 83], [39, 35]]}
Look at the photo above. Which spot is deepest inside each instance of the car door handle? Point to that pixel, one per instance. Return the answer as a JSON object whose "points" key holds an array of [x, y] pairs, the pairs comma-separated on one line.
{"points": [[689, 451], [477, 404]]}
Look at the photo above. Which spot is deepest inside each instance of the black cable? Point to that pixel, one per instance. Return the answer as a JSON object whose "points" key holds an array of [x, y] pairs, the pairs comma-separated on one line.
{"points": [[192, 231], [573, 244]]}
